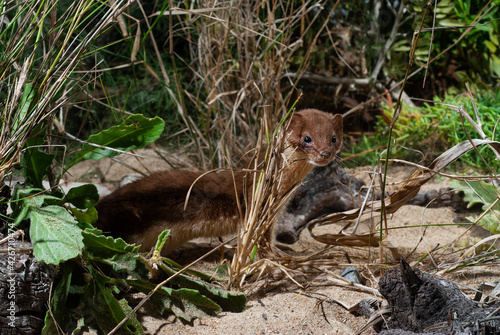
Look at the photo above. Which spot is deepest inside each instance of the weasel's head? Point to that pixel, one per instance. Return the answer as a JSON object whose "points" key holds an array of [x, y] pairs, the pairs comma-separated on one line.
{"points": [[315, 135]]}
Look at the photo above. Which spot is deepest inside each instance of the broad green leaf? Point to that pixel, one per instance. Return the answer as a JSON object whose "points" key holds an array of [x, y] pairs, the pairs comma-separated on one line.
{"points": [[128, 263], [35, 162], [84, 217], [185, 303], [232, 302], [53, 231], [54, 234], [122, 257], [102, 246], [489, 222], [483, 193], [82, 197], [479, 192], [134, 133]]}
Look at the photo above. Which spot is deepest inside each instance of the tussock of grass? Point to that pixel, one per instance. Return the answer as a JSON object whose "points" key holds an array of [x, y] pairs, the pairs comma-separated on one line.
{"points": [[40, 52]]}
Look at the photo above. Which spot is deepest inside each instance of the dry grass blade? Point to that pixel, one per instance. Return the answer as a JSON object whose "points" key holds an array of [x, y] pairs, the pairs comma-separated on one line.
{"points": [[393, 202]]}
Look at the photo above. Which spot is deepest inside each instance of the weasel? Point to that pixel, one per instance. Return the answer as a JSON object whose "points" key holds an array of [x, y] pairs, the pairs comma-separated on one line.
{"points": [[138, 212]]}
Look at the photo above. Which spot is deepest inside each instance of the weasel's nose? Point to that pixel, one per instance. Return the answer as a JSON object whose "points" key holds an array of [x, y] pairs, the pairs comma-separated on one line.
{"points": [[325, 154]]}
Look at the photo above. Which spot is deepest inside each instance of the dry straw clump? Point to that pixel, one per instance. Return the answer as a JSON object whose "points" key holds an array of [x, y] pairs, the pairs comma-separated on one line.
{"points": [[239, 60]]}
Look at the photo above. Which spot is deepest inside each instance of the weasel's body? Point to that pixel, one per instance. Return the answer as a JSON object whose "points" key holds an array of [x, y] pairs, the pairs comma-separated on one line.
{"points": [[140, 211]]}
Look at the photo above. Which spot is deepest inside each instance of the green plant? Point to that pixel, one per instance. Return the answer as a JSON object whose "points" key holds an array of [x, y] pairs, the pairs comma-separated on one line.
{"points": [[431, 129], [81, 251], [42, 45], [479, 192], [458, 66]]}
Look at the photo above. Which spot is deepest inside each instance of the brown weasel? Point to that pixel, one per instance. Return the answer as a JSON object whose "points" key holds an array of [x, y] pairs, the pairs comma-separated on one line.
{"points": [[141, 210]]}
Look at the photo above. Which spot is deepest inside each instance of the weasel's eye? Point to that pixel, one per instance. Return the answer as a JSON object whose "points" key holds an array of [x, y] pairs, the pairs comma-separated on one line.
{"points": [[307, 139], [334, 139]]}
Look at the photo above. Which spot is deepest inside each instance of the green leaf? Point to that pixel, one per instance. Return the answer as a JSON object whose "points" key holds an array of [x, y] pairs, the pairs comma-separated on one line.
{"points": [[450, 23], [478, 192], [492, 47], [26, 100], [490, 222], [126, 263], [493, 37], [53, 231], [232, 302], [185, 303], [58, 302], [160, 242], [35, 162], [86, 217], [134, 133], [122, 257], [106, 309], [82, 197], [98, 245], [483, 193], [54, 234]]}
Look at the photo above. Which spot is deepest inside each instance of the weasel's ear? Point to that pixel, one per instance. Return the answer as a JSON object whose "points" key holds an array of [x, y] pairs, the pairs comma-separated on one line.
{"points": [[294, 129], [338, 122]]}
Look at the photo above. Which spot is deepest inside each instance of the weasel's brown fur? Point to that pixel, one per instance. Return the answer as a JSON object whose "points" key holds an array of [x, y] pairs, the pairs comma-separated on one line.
{"points": [[140, 211]]}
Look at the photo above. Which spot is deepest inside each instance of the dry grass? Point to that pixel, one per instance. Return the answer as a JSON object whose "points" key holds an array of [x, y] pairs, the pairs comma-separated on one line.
{"points": [[239, 61]]}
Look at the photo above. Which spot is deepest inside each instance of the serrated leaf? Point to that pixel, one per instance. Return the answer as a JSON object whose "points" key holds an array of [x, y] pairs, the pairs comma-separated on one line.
{"points": [[102, 246], [483, 193], [82, 197], [185, 303], [126, 263], [53, 231], [54, 234], [232, 302], [490, 222], [476, 192], [134, 133]]}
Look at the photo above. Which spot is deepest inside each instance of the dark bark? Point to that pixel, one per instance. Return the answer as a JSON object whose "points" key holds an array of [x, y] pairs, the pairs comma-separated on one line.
{"points": [[24, 290]]}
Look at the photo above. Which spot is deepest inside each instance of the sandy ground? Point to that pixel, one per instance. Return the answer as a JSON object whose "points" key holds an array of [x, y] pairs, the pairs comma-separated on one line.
{"points": [[279, 306]]}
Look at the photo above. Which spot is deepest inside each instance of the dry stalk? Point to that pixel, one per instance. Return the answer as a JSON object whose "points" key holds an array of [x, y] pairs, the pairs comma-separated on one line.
{"points": [[262, 209]]}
